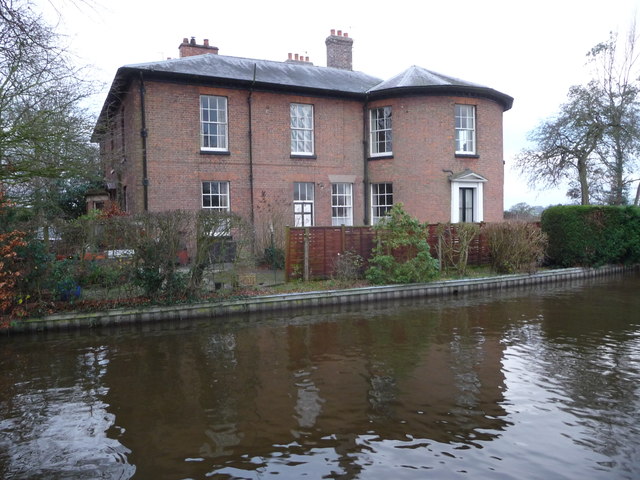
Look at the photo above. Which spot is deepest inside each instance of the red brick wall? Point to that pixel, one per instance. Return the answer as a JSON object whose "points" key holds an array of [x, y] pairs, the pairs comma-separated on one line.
{"points": [[423, 146], [122, 159], [177, 167]]}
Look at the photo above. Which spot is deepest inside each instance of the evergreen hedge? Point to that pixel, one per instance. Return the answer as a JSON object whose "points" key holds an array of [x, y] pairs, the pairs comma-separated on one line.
{"points": [[590, 235]]}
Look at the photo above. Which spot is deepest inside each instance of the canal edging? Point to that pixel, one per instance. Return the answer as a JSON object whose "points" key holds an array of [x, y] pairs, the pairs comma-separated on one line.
{"points": [[287, 301]]}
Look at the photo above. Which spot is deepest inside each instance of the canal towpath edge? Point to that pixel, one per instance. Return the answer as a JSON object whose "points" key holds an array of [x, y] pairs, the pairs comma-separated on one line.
{"points": [[287, 301]]}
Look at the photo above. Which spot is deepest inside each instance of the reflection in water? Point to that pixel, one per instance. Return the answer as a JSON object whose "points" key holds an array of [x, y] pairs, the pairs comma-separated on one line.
{"points": [[57, 427], [525, 384]]}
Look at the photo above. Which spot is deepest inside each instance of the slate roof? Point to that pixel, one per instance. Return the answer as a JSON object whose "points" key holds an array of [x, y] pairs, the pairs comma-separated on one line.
{"points": [[417, 79], [421, 77], [295, 77], [292, 75]]}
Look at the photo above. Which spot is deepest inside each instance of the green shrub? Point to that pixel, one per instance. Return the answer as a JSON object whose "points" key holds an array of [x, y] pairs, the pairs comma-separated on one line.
{"points": [[273, 257], [36, 264], [515, 246], [64, 276], [160, 237], [402, 254], [590, 235]]}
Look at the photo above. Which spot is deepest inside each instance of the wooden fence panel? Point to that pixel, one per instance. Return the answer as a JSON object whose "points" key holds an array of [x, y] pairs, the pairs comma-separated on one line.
{"points": [[325, 243]]}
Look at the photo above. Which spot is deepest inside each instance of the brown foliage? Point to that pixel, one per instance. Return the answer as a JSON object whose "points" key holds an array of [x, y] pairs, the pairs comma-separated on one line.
{"points": [[516, 246], [9, 270]]}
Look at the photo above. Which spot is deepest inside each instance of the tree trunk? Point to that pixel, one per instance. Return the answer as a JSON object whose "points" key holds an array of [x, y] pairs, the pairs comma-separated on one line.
{"points": [[584, 182], [617, 187]]}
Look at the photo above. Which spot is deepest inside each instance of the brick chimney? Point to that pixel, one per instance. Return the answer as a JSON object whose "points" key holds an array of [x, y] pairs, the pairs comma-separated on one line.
{"points": [[189, 48], [339, 50]]}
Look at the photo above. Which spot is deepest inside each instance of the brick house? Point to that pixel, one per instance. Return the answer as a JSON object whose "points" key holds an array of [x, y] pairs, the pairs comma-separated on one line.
{"points": [[323, 145]]}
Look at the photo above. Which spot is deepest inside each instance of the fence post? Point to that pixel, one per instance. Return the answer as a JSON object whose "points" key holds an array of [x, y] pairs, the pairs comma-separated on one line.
{"points": [[306, 255], [287, 253]]}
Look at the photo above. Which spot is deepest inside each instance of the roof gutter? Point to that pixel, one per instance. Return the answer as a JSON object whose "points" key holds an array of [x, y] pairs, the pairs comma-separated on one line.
{"points": [[503, 99]]}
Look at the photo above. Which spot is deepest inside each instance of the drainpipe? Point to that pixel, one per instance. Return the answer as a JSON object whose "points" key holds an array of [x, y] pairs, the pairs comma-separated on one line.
{"points": [[250, 102], [365, 148], [143, 135]]}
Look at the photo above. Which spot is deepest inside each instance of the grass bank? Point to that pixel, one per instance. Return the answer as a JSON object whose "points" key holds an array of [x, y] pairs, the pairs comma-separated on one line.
{"points": [[293, 296]]}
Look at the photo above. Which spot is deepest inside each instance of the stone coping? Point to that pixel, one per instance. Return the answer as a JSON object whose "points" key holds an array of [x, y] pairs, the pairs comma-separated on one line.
{"points": [[286, 301]]}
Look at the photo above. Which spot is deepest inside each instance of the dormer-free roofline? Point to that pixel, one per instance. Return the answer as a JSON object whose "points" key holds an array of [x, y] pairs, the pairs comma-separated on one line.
{"points": [[293, 77]]}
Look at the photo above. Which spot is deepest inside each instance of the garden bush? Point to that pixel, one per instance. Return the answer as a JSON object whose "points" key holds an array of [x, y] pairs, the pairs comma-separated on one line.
{"points": [[160, 238], [347, 266], [588, 235], [454, 242], [402, 254], [10, 269], [223, 248], [273, 257], [35, 265], [515, 246]]}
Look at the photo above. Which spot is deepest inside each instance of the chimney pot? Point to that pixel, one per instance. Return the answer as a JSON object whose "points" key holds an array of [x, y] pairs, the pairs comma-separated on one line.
{"points": [[346, 34], [189, 48], [290, 56], [306, 59], [296, 57], [333, 32]]}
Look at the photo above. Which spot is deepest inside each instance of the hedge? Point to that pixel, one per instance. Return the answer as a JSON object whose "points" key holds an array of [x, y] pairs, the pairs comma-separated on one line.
{"points": [[590, 235]]}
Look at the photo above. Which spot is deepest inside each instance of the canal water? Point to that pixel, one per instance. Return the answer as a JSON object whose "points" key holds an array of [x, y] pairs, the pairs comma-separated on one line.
{"points": [[533, 383]]}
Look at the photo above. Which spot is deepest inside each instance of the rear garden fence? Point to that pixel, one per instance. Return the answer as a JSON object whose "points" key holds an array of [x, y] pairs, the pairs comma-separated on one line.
{"points": [[311, 252]]}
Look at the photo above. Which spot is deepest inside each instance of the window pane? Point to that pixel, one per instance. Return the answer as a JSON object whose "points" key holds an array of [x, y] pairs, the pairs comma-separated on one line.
{"points": [[341, 204], [380, 130], [303, 204], [213, 122], [301, 128], [215, 195], [381, 200], [465, 128]]}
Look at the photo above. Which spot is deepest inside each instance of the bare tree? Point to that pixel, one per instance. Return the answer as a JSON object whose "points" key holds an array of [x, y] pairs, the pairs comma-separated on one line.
{"points": [[44, 131], [615, 63], [593, 142], [565, 146]]}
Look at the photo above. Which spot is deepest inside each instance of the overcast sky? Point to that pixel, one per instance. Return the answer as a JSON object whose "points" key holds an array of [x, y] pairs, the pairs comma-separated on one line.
{"points": [[531, 50]]}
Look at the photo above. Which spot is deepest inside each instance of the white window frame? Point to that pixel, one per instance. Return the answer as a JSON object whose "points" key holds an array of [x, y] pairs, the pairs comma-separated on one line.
{"points": [[341, 204], [303, 204], [380, 194], [476, 183], [222, 195], [465, 126], [214, 123], [380, 132], [302, 134]]}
